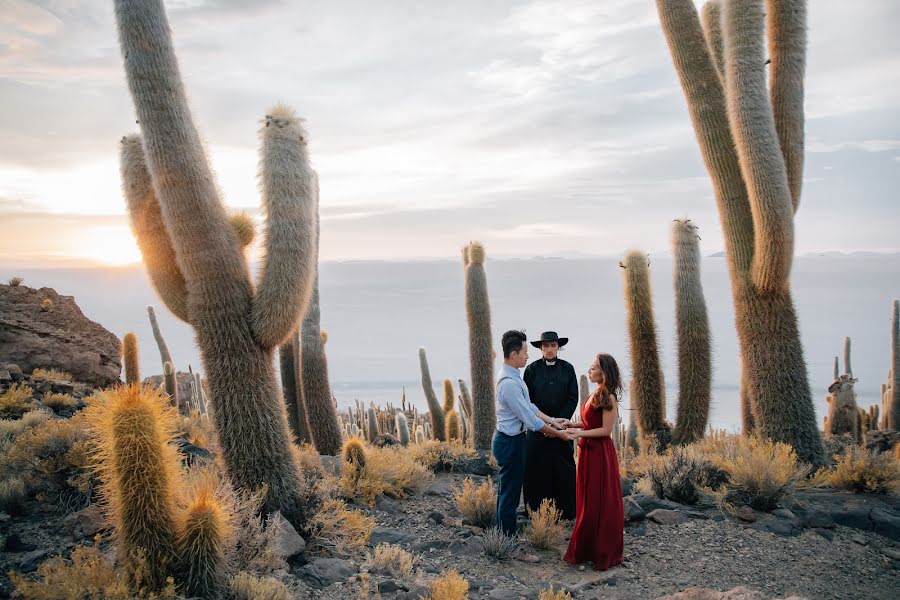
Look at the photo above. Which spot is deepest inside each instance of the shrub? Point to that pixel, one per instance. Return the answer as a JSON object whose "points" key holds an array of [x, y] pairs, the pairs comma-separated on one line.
{"points": [[680, 475], [16, 401], [46, 305], [52, 374], [10, 429], [449, 586], [89, 577], [442, 457], [388, 470], [498, 545], [245, 586], [860, 470], [837, 445], [13, 493], [341, 529], [477, 503], [545, 528], [58, 402], [551, 594], [391, 560], [15, 281]]}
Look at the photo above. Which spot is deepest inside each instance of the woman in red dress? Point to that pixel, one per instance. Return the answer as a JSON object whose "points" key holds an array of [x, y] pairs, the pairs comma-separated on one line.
{"points": [[599, 523]]}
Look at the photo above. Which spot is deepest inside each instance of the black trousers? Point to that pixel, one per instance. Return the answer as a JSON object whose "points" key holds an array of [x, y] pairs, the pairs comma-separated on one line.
{"points": [[550, 473]]}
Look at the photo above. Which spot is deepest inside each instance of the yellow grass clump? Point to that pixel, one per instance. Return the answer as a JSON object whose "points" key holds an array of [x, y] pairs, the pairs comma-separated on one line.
{"points": [[245, 586], [52, 374], [389, 470], [860, 470], [58, 402], [340, 528], [551, 594], [16, 401], [545, 528], [477, 503], [391, 559], [449, 586]]}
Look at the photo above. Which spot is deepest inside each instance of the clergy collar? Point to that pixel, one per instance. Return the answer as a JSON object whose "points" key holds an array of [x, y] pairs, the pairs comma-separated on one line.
{"points": [[549, 363]]}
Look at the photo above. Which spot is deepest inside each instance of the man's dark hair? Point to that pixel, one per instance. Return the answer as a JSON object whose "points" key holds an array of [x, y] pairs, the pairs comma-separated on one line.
{"points": [[512, 342]]}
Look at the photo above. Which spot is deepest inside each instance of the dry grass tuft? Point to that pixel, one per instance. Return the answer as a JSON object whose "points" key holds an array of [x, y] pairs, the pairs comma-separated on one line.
{"points": [[545, 529], [859, 470], [388, 470], [449, 586], [245, 586], [442, 457], [16, 401], [58, 402], [498, 545], [340, 529], [551, 594], [15, 281], [477, 503], [391, 560], [13, 493], [52, 374], [680, 475]]}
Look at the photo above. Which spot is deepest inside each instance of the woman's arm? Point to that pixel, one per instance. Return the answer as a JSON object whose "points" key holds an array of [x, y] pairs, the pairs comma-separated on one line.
{"points": [[610, 416]]}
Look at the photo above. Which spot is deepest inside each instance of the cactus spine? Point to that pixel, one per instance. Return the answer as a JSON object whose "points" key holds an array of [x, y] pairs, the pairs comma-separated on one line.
{"points": [[201, 545], [481, 351], [196, 263], [438, 422], [139, 471], [130, 358], [402, 428], [753, 150], [692, 333], [843, 413], [165, 356], [647, 389]]}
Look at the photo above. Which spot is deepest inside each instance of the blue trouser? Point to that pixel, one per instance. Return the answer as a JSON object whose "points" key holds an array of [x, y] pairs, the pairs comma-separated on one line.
{"points": [[509, 451]]}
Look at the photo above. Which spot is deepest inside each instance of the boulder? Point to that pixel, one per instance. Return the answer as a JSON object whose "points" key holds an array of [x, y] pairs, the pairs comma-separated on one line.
{"points": [[326, 571], [665, 516], [59, 338], [287, 542]]}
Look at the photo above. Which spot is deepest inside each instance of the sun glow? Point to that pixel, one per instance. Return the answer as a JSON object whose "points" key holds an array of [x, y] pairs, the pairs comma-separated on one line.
{"points": [[112, 245]]}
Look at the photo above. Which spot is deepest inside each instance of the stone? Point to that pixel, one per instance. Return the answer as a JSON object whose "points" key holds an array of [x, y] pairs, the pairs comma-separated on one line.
{"points": [[14, 543], [61, 338], [860, 539], [5, 377], [885, 522], [825, 533], [428, 545], [436, 516], [651, 503], [326, 571], [855, 518], [633, 510], [30, 561], [87, 522], [416, 592], [390, 586], [817, 519], [385, 535], [882, 441], [287, 542], [387, 505], [893, 553], [783, 513], [441, 486], [776, 527], [746, 514], [627, 486], [664, 516], [15, 371], [472, 546]]}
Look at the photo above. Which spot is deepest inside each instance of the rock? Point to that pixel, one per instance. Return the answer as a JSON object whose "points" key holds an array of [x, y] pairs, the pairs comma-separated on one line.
{"points": [[817, 519], [428, 545], [87, 522], [15, 544], [416, 592], [15, 371], [390, 586], [5, 377], [30, 561], [388, 505], [860, 539], [385, 535], [333, 464], [664, 516], [651, 503], [436, 516], [627, 486], [189, 452], [783, 513], [891, 553], [183, 381], [777, 527], [326, 571], [633, 510], [855, 518], [472, 546], [825, 533], [61, 338], [441, 486], [746, 514], [882, 441], [886, 523], [287, 541]]}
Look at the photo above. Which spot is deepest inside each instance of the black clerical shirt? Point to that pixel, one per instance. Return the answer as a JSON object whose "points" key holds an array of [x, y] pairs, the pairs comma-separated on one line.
{"points": [[552, 388]]}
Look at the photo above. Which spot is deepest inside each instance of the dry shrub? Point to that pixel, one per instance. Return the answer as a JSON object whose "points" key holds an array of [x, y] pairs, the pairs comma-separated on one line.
{"points": [[545, 528], [46, 305], [58, 402], [389, 470], [52, 374], [245, 586], [449, 586], [498, 545], [13, 493], [89, 577], [681, 476], [339, 529], [442, 457], [10, 429], [15, 281], [309, 458], [551, 594], [836, 445], [391, 560], [199, 430], [16, 401], [760, 472], [860, 470], [477, 503]]}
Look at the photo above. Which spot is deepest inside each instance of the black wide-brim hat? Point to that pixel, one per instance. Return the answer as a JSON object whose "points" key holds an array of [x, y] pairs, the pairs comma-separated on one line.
{"points": [[550, 336]]}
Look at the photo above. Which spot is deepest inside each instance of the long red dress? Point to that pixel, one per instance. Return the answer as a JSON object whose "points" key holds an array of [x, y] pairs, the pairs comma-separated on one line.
{"points": [[599, 524]]}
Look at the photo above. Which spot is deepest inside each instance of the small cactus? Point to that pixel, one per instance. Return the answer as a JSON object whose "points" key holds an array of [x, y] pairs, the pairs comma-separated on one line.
{"points": [[354, 454], [449, 397], [454, 427], [243, 227], [372, 423], [202, 540], [130, 358], [402, 429], [420, 435], [164, 355], [437, 414]]}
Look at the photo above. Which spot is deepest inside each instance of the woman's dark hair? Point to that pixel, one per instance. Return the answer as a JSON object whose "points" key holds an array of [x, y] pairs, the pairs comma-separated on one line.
{"points": [[512, 342], [611, 384]]}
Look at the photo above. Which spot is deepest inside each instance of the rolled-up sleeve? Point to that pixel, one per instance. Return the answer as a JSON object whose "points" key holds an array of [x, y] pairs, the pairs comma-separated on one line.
{"points": [[517, 401]]}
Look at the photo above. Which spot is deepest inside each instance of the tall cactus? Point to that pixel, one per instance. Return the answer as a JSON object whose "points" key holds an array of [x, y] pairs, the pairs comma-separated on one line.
{"points": [[438, 422], [481, 351], [289, 362], [465, 398], [130, 358], [843, 413], [648, 393], [372, 431], [140, 476], [753, 150], [892, 392], [402, 429], [171, 383], [321, 412], [196, 263], [692, 332], [449, 397]]}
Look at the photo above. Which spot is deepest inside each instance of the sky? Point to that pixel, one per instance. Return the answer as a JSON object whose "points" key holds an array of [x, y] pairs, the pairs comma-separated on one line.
{"points": [[543, 127]]}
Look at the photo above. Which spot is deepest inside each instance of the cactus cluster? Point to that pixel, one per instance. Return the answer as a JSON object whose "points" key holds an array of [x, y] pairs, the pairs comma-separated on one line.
{"points": [[844, 417], [751, 140]]}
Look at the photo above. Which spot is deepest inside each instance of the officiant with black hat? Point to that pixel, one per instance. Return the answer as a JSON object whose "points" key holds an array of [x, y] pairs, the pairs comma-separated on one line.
{"points": [[550, 462]]}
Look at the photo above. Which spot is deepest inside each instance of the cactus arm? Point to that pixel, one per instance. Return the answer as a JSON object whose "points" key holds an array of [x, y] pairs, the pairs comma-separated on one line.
{"points": [[706, 106], [164, 353], [711, 21], [787, 50], [289, 189], [147, 224], [753, 127], [205, 244], [848, 368]]}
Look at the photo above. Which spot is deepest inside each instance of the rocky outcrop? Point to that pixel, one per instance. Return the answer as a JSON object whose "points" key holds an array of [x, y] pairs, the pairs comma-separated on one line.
{"points": [[41, 329]]}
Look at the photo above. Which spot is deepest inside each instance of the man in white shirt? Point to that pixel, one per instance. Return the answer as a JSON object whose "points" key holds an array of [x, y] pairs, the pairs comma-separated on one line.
{"points": [[515, 415]]}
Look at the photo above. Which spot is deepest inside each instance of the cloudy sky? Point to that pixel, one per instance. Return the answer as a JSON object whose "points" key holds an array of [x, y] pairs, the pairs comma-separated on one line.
{"points": [[540, 127]]}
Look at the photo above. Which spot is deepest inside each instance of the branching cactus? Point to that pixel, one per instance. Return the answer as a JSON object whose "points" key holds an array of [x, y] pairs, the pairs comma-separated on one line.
{"points": [[692, 332], [130, 358], [752, 143], [481, 350], [438, 422], [843, 414], [196, 263], [648, 393], [165, 356]]}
